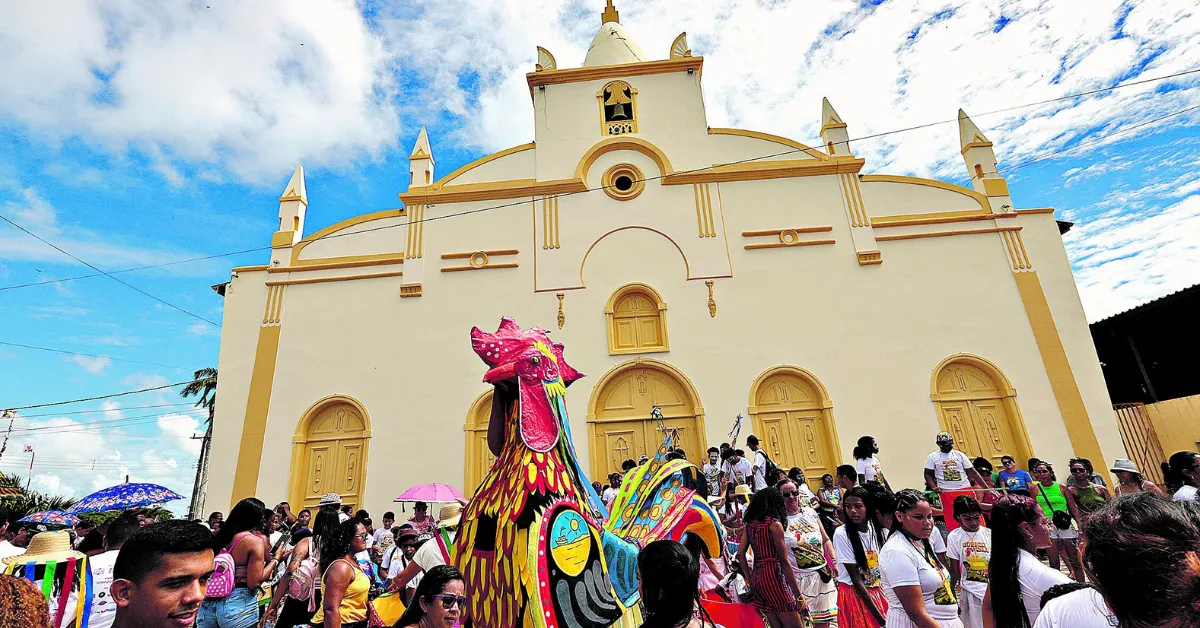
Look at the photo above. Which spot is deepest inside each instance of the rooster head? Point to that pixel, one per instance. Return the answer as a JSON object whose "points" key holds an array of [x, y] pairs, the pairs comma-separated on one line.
{"points": [[523, 364]]}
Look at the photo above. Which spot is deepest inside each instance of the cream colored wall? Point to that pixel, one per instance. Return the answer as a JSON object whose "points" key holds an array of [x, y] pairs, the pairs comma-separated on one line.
{"points": [[519, 165], [887, 198], [387, 235], [245, 300], [736, 148]]}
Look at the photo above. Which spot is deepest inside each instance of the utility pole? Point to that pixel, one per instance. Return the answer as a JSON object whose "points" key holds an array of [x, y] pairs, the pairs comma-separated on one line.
{"points": [[196, 507]]}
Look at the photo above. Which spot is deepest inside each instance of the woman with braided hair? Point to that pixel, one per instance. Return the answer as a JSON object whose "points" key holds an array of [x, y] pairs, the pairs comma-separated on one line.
{"points": [[776, 591], [915, 581], [22, 604], [860, 599], [1016, 578]]}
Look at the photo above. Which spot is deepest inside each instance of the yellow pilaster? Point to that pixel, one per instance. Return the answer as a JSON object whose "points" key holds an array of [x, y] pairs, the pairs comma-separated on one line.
{"points": [[262, 378], [1054, 356]]}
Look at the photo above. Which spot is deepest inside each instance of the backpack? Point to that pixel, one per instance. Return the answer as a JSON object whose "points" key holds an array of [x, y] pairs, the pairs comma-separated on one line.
{"points": [[303, 584], [222, 581], [769, 466]]}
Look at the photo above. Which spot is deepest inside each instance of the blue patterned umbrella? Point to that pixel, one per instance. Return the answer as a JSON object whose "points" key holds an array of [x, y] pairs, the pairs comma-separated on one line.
{"points": [[124, 497], [52, 517]]}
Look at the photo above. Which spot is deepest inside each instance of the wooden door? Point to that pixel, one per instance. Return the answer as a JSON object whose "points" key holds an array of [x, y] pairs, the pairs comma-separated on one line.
{"points": [[794, 425], [993, 431], [809, 444], [958, 420], [334, 456], [478, 457], [622, 427], [976, 410]]}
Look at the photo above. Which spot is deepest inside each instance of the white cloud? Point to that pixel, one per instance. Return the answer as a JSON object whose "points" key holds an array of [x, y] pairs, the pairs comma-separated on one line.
{"points": [[202, 329], [178, 425], [255, 86], [95, 366]]}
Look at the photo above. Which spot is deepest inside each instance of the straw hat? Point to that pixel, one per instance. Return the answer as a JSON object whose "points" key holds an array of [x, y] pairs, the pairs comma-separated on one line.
{"points": [[449, 515], [330, 499], [46, 546], [741, 489]]}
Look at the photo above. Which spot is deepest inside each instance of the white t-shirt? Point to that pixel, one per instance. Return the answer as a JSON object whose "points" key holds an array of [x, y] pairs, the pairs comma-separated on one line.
{"points": [[901, 565], [870, 469], [974, 551], [738, 473], [384, 539], [950, 469], [395, 562], [8, 549], [104, 611], [429, 555], [843, 553], [1187, 494], [937, 541], [1084, 608], [760, 476], [1034, 578], [712, 475], [803, 537], [608, 495]]}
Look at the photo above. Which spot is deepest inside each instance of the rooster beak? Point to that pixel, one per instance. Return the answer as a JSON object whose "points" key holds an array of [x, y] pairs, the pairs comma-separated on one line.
{"points": [[501, 373]]}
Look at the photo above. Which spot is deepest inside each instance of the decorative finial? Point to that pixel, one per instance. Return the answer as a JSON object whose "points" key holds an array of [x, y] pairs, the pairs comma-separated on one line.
{"points": [[610, 14], [712, 302], [562, 316]]}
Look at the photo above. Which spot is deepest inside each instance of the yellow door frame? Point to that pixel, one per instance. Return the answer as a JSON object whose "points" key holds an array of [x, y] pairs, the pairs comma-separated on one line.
{"points": [[1007, 396], [824, 405], [300, 440]]}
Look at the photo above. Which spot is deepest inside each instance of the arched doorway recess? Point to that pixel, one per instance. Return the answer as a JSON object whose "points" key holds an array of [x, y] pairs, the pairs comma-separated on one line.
{"points": [[619, 423], [329, 452], [977, 404], [792, 415], [479, 457]]}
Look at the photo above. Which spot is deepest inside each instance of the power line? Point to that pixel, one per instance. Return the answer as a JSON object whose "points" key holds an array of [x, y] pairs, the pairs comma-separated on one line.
{"points": [[118, 422], [89, 355], [119, 409], [120, 394], [118, 280], [522, 202]]}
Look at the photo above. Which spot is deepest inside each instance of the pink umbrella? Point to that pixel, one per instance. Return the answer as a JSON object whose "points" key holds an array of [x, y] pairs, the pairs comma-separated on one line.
{"points": [[439, 493]]}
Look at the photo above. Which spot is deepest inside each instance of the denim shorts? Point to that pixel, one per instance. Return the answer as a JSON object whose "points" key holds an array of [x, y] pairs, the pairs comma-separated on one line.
{"points": [[238, 610]]}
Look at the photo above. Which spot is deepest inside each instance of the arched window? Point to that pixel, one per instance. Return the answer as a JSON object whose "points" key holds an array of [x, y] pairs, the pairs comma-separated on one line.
{"points": [[618, 109], [637, 320]]}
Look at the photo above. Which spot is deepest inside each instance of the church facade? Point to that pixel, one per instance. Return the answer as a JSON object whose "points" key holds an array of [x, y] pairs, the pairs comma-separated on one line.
{"points": [[706, 272]]}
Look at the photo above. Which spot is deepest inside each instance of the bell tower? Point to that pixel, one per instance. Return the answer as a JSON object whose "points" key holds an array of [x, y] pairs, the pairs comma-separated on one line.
{"points": [[293, 204], [980, 159], [420, 162]]}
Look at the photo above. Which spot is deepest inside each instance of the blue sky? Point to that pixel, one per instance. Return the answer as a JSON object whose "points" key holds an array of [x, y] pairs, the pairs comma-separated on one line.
{"points": [[134, 133]]}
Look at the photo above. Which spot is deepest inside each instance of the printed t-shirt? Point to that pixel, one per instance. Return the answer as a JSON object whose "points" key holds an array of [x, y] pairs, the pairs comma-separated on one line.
{"points": [[608, 495], [950, 469], [973, 550], [712, 475], [739, 473], [1084, 608], [1018, 481], [807, 496], [384, 539], [843, 553], [1034, 578], [902, 564], [870, 469], [104, 611], [1186, 494], [803, 538], [429, 555], [760, 476]]}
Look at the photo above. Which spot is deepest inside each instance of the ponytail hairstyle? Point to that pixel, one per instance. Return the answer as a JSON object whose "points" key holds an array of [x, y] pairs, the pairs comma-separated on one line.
{"points": [[1172, 470], [883, 504], [865, 448], [860, 552], [670, 576], [1008, 513], [1141, 547], [906, 500]]}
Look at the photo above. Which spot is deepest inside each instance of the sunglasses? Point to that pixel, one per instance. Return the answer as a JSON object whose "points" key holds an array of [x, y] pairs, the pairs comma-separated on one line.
{"points": [[787, 494], [449, 600], [1079, 470]]}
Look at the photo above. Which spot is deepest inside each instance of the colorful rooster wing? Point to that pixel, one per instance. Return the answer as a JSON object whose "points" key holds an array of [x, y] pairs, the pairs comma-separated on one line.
{"points": [[532, 545]]}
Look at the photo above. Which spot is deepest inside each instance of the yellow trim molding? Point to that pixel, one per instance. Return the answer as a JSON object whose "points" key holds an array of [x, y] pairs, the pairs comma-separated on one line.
{"points": [[1058, 367], [294, 282], [910, 220], [346, 261], [941, 234], [637, 179], [470, 192], [976, 144], [759, 170], [855, 204], [411, 290], [1007, 396], [414, 246], [347, 223], [824, 406], [778, 139], [705, 225], [933, 183], [550, 235], [479, 162], [596, 73], [469, 254], [995, 187], [782, 244], [775, 232], [1036, 210], [787, 237], [479, 260], [282, 239], [870, 258], [635, 144], [250, 269], [254, 424]]}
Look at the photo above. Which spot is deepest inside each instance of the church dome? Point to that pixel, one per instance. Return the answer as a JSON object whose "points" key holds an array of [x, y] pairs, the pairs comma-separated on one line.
{"points": [[612, 45]]}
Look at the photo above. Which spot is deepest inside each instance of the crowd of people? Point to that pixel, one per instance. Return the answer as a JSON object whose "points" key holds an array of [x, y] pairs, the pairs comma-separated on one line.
{"points": [[967, 550]]}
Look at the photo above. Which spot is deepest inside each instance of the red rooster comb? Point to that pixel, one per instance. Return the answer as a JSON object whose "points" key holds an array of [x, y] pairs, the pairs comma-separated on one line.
{"points": [[510, 341]]}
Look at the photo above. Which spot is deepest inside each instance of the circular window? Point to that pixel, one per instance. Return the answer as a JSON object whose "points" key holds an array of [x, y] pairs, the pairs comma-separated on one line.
{"points": [[623, 182]]}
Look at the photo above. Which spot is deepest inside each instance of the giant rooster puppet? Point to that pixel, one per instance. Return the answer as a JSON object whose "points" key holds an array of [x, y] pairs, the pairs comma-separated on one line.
{"points": [[536, 545]]}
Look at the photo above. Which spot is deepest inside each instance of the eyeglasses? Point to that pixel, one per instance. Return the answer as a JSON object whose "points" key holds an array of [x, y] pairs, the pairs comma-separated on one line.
{"points": [[449, 600], [363, 535], [787, 494]]}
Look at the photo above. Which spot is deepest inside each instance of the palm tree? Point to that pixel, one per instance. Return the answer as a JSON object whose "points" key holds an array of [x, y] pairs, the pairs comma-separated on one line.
{"points": [[204, 386], [21, 501]]}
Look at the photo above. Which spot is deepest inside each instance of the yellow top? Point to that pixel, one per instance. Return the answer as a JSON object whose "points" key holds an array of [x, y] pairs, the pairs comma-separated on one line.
{"points": [[354, 603]]}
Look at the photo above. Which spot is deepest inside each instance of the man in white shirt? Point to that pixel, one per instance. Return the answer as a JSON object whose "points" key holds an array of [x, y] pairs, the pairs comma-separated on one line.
{"points": [[713, 475], [610, 491], [103, 609], [383, 536], [737, 468], [433, 552], [949, 472], [759, 467]]}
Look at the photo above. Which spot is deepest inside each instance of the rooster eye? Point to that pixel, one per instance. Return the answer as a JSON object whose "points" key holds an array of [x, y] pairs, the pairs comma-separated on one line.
{"points": [[535, 360]]}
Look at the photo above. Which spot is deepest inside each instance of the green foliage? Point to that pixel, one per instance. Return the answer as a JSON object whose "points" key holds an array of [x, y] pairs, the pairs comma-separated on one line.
{"points": [[204, 386], [28, 501]]}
